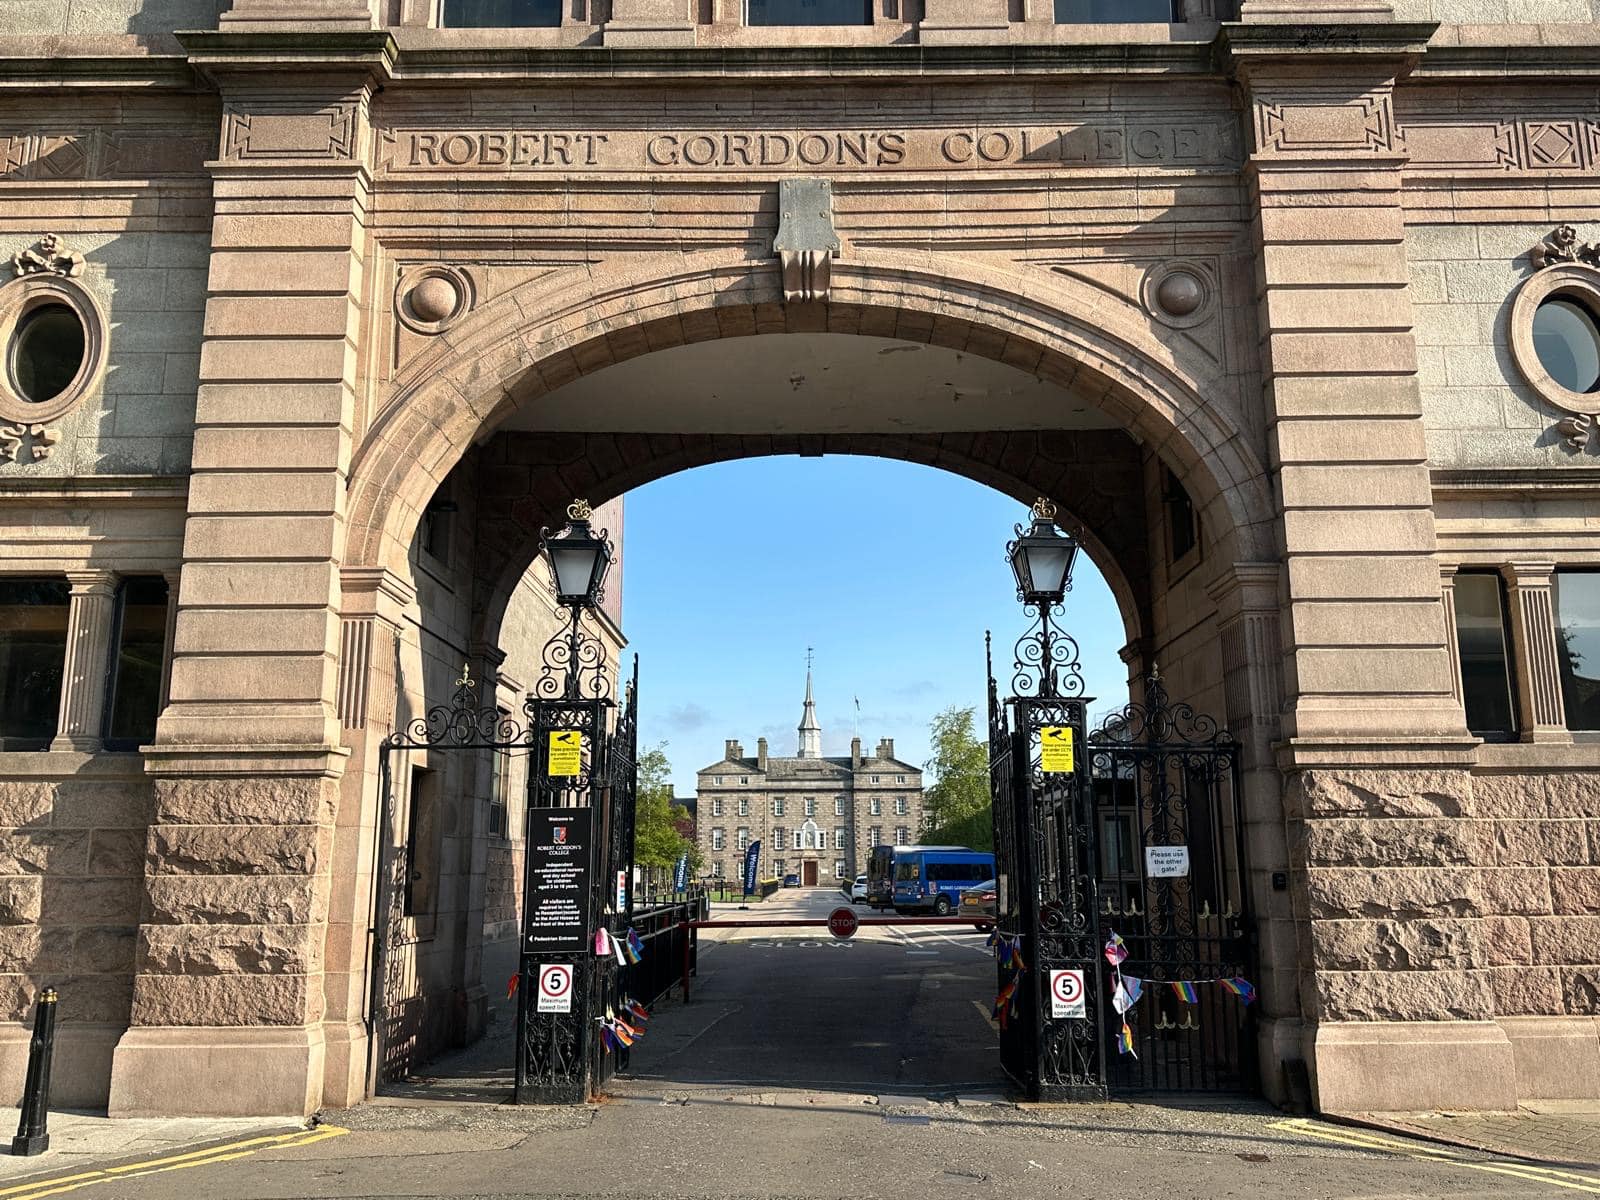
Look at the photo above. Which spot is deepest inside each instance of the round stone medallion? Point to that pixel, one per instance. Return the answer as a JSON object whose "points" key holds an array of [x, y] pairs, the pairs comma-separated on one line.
{"points": [[1180, 294], [433, 298]]}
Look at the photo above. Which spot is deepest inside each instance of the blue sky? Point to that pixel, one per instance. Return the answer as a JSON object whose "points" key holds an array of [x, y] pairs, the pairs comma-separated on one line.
{"points": [[891, 570]]}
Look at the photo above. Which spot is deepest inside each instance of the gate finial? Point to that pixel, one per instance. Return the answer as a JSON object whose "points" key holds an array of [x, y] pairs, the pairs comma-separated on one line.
{"points": [[466, 676]]}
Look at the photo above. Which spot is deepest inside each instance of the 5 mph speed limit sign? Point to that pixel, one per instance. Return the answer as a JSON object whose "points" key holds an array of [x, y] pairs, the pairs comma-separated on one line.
{"points": [[1066, 994], [555, 987]]}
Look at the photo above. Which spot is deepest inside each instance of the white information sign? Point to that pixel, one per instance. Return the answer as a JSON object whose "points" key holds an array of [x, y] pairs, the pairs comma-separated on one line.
{"points": [[1066, 994], [555, 987], [1166, 862]]}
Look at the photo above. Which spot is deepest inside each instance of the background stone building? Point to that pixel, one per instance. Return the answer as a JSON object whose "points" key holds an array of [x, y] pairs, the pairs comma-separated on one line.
{"points": [[1277, 301], [815, 816]]}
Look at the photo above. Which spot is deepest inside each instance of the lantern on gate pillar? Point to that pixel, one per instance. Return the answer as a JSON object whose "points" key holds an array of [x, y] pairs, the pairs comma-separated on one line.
{"points": [[1041, 558], [579, 559]]}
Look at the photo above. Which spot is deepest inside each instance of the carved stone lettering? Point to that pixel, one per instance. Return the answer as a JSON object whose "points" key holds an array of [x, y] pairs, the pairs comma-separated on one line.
{"points": [[1121, 143]]}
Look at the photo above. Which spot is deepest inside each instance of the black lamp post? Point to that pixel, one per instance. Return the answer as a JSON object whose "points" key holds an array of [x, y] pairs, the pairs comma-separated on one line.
{"points": [[1042, 560], [579, 561]]}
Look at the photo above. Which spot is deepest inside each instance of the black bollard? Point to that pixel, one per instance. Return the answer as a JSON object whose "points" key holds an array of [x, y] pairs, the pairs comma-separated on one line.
{"points": [[33, 1136]]}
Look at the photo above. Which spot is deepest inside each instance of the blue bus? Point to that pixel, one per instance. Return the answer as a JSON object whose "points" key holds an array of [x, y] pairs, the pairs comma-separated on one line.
{"points": [[933, 877]]}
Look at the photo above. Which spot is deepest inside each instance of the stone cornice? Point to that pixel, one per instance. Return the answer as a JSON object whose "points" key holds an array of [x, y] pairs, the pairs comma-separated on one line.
{"points": [[142, 72], [1242, 49], [324, 52], [1516, 481], [1547, 63]]}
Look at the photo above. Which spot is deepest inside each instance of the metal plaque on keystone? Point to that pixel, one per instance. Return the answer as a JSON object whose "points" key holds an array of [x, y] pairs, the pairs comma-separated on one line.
{"points": [[1066, 994], [555, 987], [843, 923]]}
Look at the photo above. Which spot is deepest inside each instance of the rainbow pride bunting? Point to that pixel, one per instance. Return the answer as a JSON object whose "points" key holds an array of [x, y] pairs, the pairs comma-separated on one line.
{"points": [[1185, 991], [511, 987], [1125, 1041], [1241, 988], [1116, 950]]}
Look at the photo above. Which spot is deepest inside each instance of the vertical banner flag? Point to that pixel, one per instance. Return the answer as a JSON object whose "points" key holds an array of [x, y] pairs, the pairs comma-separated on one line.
{"points": [[751, 856], [680, 873]]}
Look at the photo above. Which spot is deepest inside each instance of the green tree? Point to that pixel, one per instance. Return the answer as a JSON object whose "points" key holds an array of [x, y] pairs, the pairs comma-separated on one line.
{"points": [[656, 840], [956, 807]]}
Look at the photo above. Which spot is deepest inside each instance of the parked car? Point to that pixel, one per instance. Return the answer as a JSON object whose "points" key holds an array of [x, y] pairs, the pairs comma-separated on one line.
{"points": [[791, 881], [858, 890], [980, 901]]}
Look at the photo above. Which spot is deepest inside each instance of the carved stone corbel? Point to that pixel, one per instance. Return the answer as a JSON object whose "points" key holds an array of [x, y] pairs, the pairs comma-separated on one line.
{"points": [[1576, 431], [1562, 246], [807, 241]]}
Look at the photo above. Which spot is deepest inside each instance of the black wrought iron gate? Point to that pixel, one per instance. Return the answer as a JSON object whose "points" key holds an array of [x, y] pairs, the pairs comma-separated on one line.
{"points": [[1131, 830], [582, 753]]}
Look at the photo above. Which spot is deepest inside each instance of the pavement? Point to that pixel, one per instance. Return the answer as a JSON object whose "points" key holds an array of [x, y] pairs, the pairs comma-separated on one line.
{"points": [[808, 1070]]}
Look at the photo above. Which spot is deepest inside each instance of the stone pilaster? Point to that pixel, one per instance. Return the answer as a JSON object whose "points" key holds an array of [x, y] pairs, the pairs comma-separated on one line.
{"points": [[1534, 652], [650, 23], [964, 22], [1378, 793], [230, 995], [1447, 597], [91, 614], [1247, 596]]}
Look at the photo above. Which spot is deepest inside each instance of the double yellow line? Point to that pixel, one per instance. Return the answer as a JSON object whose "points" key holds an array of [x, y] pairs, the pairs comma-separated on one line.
{"points": [[227, 1152], [1359, 1139]]}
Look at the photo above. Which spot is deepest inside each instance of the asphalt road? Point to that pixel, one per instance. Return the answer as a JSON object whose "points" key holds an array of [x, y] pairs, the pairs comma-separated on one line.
{"points": [[891, 1009], [801, 1071]]}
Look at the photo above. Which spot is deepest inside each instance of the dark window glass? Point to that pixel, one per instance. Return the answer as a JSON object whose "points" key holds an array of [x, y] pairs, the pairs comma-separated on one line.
{"points": [[1577, 596], [1084, 12], [135, 699], [1485, 659], [500, 14], [810, 12], [1567, 340], [46, 352], [33, 653], [422, 843], [1180, 519]]}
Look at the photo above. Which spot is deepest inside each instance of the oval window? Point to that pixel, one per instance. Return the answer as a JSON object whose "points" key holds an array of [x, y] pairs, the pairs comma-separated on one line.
{"points": [[1567, 340], [47, 352]]}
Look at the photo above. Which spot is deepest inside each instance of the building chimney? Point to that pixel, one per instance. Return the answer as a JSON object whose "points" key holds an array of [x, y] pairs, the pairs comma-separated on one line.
{"points": [[855, 752], [730, 749], [885, 747], [761, 753]]}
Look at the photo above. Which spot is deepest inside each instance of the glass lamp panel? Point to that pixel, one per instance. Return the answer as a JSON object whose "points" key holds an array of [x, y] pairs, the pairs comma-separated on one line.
{"points": [[573, 563], [1047, 565]]}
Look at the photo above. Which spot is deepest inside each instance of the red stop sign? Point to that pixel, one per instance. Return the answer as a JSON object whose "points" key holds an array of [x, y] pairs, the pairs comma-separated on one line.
{"points": [[842, 922]]}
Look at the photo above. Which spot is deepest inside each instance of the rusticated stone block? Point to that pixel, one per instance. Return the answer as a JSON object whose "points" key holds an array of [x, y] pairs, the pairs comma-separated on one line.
{"points": [[92, 901], [236, 849], [227, 999], [1573, 793], [117, 851], [25, 801], [1452, 945], [1526, 991], [1594, 843], [104, 998], [36, 851], [1566, 940], [1385, 842], [1506, 941], [1404, 996], [1325, 793], [20, 898], [1576, 891], [236, 900], [1348, 892], [231, 949], [1580, 991], [29, 948], [102, 804], [1512, 796], [1536, 843], [270, 801], [106, 950], [1519, 891]]}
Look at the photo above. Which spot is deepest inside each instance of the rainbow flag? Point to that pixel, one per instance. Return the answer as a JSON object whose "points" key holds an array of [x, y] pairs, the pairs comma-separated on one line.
{"points": [[635, 944], [511, 987], [1125, 1041], [1116, 951], [1240, 988], [1184, 990], [639, 1011]]}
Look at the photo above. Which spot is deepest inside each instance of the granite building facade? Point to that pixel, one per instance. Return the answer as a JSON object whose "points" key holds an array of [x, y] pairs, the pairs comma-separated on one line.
{"points": [[1289, 306], [816, 817]]}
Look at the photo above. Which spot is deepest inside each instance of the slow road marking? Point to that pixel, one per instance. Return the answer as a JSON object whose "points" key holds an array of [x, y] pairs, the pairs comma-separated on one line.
{"points": [[1531, 1172], [226, 1152]]}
